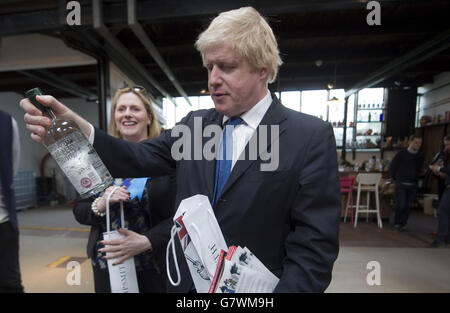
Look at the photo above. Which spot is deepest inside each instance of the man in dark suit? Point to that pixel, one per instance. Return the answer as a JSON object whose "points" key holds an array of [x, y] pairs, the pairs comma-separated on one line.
{"points": [[10, 277], [284, 204]]}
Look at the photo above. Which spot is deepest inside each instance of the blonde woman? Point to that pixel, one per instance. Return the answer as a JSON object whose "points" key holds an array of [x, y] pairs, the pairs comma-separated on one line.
{"points": [[148, 219]]}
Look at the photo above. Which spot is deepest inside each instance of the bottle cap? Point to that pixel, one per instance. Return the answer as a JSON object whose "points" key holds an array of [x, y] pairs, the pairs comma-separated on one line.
{"points": [[31, 95]]}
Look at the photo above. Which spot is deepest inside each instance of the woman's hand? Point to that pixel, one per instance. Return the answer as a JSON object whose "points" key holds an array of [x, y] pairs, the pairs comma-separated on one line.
{"points": [[121, 194], [126, 247]]}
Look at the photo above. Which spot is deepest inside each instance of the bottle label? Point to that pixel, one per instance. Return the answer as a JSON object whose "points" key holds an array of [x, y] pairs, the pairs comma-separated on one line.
{"points": [[77, 159]]}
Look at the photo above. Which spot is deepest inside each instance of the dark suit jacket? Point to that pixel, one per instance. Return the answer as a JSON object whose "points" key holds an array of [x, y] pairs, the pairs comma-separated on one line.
{"points": [[161, 194], [446, 170], [289, 218]]}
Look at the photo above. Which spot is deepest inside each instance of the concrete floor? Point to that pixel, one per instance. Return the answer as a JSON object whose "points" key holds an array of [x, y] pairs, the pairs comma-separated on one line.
{"points": [[50, 238], [421, 270]]}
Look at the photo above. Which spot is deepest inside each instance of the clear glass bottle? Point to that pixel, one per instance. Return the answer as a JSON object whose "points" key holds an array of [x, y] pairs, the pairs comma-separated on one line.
{"points": [[72, 151]]}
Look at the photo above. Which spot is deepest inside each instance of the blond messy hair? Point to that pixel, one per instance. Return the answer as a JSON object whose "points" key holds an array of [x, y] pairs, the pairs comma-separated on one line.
{"points": [[152, 131], [248, 34]]}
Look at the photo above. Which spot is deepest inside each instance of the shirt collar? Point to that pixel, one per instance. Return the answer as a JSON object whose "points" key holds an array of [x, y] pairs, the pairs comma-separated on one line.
{"points": [[254, 116]]}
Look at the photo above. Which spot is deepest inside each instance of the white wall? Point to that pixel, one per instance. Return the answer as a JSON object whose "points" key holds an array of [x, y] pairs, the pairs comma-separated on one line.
{"points": [[32, 152], [436, 97], [34, 51]]}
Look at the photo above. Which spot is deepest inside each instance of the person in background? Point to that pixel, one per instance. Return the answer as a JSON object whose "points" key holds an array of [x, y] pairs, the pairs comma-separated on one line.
{"points": [[149, 218], [10, 278], [443, 213], [405, 169]]}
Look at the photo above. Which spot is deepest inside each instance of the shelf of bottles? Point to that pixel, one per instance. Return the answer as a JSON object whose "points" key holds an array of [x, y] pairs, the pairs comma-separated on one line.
{"points": [[369, 124], [338, 135], [334, 114]]}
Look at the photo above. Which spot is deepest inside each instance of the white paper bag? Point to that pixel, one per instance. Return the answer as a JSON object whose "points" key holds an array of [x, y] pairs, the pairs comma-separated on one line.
{"points": [[205, 233], [201, 239], [122, 277]]}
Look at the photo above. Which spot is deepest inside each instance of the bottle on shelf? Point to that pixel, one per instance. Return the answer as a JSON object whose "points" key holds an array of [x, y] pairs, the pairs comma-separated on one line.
{"points": [[72, 152], [371, 163], [379, 165]]}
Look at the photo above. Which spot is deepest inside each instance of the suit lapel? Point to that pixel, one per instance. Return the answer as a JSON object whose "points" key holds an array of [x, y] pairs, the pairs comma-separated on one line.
{"points": [[209, 166], [273, 116]]}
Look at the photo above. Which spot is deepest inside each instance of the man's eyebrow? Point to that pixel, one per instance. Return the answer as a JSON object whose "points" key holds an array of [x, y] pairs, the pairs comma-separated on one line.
{"points": [[222, 61]]}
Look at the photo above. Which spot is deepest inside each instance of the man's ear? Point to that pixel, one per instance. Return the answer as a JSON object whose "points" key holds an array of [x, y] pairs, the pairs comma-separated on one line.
{"points": [[264, 73]]}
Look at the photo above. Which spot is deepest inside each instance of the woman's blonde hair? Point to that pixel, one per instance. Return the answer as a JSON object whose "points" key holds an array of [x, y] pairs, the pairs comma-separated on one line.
{"points": [[153, 130], [249, 35]]}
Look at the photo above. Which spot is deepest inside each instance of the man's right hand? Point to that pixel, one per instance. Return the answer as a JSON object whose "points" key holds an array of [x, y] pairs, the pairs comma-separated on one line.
{"points": [[36, 122]]}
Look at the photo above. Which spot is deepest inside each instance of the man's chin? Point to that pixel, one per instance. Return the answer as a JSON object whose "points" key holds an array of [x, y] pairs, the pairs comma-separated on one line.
{"points": [[222, 108]]}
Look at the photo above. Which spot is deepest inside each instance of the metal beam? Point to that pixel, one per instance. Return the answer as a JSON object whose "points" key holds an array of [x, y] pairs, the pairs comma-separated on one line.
{"points": [[148, 44], [103, 91], [87, 43], [84, 41], [164, 10], [438, 44], [103, 31], [60, 83]]}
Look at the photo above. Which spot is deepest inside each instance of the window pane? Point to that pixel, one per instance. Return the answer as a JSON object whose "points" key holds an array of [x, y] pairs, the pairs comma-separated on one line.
{"points": [[314, 102], [169, 113], [370, 98], [291, 99], [206, 102], [351, 110], [336, 107]]}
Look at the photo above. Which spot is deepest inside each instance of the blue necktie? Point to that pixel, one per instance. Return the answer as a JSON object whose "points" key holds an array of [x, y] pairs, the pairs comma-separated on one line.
{"points": [[223, 165]]}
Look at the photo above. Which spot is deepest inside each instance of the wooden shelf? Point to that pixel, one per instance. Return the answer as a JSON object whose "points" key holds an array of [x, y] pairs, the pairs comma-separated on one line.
{"points": [[369, 135], [366, 149], [434, 125]]}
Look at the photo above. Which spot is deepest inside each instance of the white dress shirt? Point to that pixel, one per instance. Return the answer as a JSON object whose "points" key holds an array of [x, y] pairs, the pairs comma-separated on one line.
{"points": [[244, 131], [15, 164]]}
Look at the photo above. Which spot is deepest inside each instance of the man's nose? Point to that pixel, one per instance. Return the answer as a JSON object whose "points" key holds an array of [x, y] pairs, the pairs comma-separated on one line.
{"points": [[215, 77]]}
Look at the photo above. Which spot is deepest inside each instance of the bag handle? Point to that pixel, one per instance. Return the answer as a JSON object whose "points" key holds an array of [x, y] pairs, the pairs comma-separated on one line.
{"points": [[173, 232], [122, 218]]}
